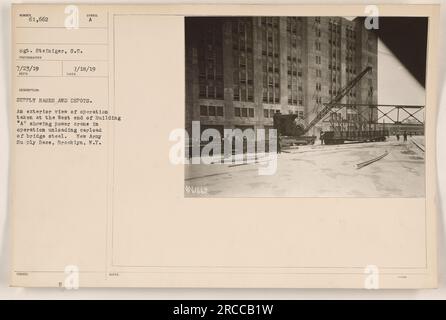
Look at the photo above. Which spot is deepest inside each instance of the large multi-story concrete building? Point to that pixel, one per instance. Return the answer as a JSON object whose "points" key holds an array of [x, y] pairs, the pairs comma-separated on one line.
{"points": [[241, 70]]}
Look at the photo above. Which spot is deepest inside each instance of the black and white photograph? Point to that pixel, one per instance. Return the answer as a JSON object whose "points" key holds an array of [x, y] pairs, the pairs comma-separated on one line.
{"points": [[223, 151], [310, 106]]}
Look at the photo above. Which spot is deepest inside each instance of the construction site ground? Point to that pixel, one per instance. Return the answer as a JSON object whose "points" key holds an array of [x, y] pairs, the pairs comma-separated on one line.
{"points": [[319, 171]]}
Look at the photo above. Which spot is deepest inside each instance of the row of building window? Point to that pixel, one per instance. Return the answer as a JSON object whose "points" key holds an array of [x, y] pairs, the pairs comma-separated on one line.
{"points": [[350, 63], [214, 90], [271, 66], [210, 63], [244, 93], [295, 73], [351, 46], [334, 63], [239, 112], [295, 102], [269, 113], [293, 85], [212, 111], [334, 56], [294, 70], [294, 59], [334, 27], [243, 72], [218, 111], [270, 21], [336, 43], [336, 67], [294, 39], [267, 97], [271, 80], [349, 58], [331, 91], [250, 93], [270, 54], [350, 33]]}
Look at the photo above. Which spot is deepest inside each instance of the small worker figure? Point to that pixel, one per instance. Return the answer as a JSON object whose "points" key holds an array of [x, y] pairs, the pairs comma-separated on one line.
{"points": [[398, 136], [405, 136], [322, 137], [279, 143]]}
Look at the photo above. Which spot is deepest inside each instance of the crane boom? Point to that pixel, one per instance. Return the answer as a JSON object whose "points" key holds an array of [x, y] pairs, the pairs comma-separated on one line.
{"points": [[328, 106]]}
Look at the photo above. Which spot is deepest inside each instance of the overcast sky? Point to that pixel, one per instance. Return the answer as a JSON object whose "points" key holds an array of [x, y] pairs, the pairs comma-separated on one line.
{"points": [[395, 84]]}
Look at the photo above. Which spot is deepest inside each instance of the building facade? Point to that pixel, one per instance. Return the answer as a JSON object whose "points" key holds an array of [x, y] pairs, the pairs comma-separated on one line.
{"points": [[241, 70]]}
